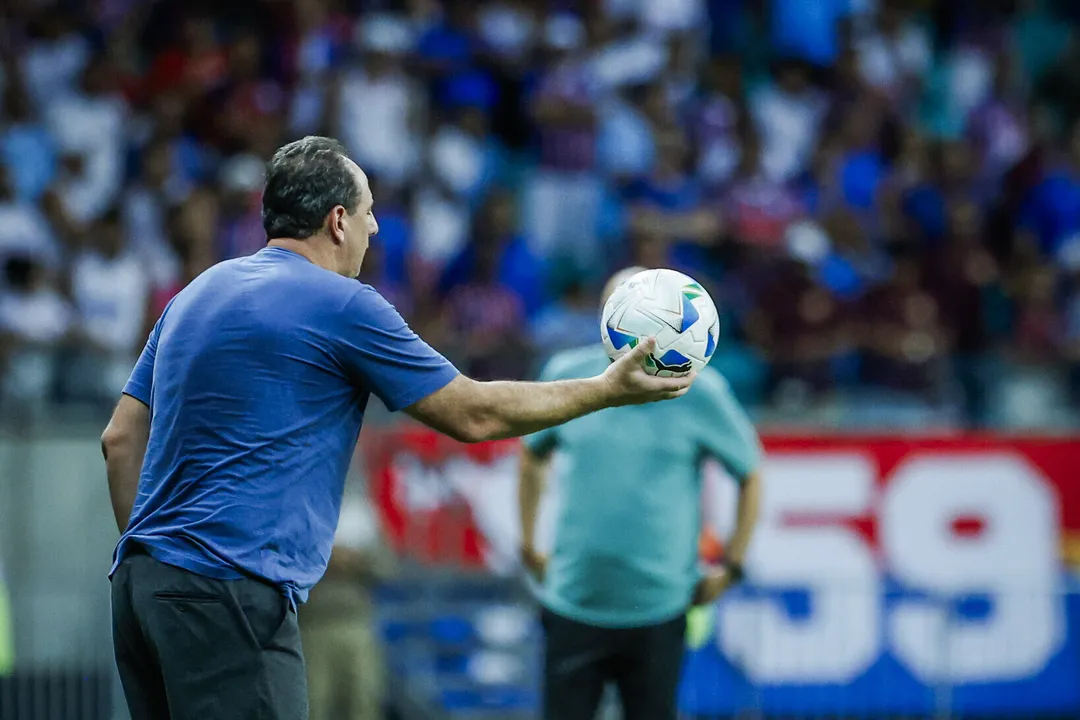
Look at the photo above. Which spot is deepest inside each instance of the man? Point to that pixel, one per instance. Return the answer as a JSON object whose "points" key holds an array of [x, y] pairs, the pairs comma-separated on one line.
{"points": [[228, 450], [624, 570], [338, 625]]}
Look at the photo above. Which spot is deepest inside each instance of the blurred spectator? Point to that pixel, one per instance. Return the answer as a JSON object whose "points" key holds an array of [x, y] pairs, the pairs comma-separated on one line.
{"points": [[379, 116], [157, 188], [463, 153], [240, 229], [718, 117], [1038, 321], [315, 49], [963, 276], [895, 54], [803, 330], [489, 291], [1072, 334], [89, 126], [495, 238], [1051, 212], [24, 230], [787, 114], [55, 57], [34, 323], [809, 31], [758, 206], [903, 338], [570, 321], [110, 291], [194, 65], [998, 128], [27, 149], [341, 645], [246, 99], [563, 195]]}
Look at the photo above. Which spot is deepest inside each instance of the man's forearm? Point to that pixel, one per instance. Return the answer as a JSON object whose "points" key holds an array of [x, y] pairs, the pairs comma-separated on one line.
{"points": [[512, 409], [530, 488], [746, 518], [123, 464]]}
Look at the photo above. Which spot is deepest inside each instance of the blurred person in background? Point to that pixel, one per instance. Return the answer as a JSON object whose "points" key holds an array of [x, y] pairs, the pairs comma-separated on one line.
{"points": [[569, 321], [89, 124], [146, 204], [618, 584], [27, 148], [562, 197], [110, 290], [342, 647], [239, 219], [717, 117], [802, 332], [35, 322], [24, 228], [488, 293], [904, 341], [56, 55], [787, 114], [379, 105]]}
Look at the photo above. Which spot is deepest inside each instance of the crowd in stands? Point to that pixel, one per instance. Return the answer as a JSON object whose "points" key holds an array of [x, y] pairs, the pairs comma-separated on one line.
{"points": [[882, 196]]}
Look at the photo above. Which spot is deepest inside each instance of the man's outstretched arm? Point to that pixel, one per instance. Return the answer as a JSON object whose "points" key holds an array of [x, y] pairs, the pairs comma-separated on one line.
{"points": [[124, 445], [473, 411]]}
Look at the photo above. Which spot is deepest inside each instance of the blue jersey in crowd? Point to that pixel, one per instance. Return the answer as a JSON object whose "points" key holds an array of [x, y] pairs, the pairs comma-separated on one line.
{"points": [[257, 376]]}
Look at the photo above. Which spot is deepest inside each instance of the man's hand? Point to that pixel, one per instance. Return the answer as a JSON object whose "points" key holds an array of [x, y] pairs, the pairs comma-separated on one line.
{"points": [[629, 384], [535, 562], [712, 586]]}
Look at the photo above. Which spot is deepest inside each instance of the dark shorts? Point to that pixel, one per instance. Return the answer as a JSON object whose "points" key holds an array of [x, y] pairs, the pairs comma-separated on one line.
{"points": [[643, 663], [194, 648]]}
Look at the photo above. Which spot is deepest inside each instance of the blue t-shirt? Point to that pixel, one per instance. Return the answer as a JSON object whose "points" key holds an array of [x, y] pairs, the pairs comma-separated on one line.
{"points": [[257, 376]]}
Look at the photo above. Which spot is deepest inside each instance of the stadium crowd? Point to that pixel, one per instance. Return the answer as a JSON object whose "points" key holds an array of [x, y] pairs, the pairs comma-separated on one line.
{"points": [[883, 196]]}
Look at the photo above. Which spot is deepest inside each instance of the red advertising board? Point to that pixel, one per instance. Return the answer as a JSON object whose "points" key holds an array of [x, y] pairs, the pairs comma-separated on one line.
{"points": [[438, 498]]}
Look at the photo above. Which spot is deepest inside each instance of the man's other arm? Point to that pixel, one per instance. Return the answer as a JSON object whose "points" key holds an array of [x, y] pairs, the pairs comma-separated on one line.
{"points": [[531, 480], [746, 515], [472, 411], [124, 445]]}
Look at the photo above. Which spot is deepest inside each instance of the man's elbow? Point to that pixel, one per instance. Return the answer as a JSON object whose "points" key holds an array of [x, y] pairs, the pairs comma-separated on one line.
{"points": [[478, 427], [115, 440]]}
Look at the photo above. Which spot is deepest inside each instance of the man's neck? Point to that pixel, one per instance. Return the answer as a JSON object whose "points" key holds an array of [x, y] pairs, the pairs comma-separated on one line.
{"points": [[310, 249]]}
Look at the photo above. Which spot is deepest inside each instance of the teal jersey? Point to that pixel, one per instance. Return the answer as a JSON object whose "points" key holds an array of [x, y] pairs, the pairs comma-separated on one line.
{"points": [[626, 533]]}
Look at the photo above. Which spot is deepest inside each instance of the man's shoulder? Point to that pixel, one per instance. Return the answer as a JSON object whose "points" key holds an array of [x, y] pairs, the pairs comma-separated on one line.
{"points": [[711, 381], [577, 362]]}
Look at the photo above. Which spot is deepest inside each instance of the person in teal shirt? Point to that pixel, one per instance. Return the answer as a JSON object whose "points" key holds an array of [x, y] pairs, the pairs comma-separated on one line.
{"points": [[624, 569]]}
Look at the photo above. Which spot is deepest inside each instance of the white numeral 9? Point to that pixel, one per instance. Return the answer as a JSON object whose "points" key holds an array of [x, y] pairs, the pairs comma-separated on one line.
{"points": [[1009, 557]]}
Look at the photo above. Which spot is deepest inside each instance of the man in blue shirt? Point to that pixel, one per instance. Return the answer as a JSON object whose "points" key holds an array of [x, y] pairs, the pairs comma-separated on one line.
{"points": [[624, 569], [228, 450]]}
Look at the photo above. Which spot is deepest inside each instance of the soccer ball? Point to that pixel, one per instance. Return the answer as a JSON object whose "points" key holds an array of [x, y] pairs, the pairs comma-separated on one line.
{"points": [[666, 305]]}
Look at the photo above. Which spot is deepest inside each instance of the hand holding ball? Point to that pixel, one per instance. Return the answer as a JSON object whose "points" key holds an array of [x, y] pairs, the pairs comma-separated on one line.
{"points": [[672, 308]]}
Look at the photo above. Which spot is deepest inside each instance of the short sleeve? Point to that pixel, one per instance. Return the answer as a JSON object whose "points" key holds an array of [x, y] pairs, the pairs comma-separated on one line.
{"points": [[544, 442], [141, 381], [728, 434], [382, 352]]}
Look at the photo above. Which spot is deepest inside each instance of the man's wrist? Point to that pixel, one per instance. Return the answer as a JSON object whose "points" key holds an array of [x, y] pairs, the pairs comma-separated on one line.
{"points": [[602, 392], [734, 569]]}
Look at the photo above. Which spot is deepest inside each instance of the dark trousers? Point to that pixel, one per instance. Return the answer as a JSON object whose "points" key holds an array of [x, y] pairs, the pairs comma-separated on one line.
{"points": [[193, 648], [580, 660]]}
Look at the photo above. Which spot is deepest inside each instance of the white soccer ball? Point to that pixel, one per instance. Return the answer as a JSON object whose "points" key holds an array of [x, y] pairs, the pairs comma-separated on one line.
{"points": [[669, 306]]}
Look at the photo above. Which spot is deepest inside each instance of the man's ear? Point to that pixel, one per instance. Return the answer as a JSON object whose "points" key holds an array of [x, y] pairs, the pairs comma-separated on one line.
{"points": [[335, 224]]}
